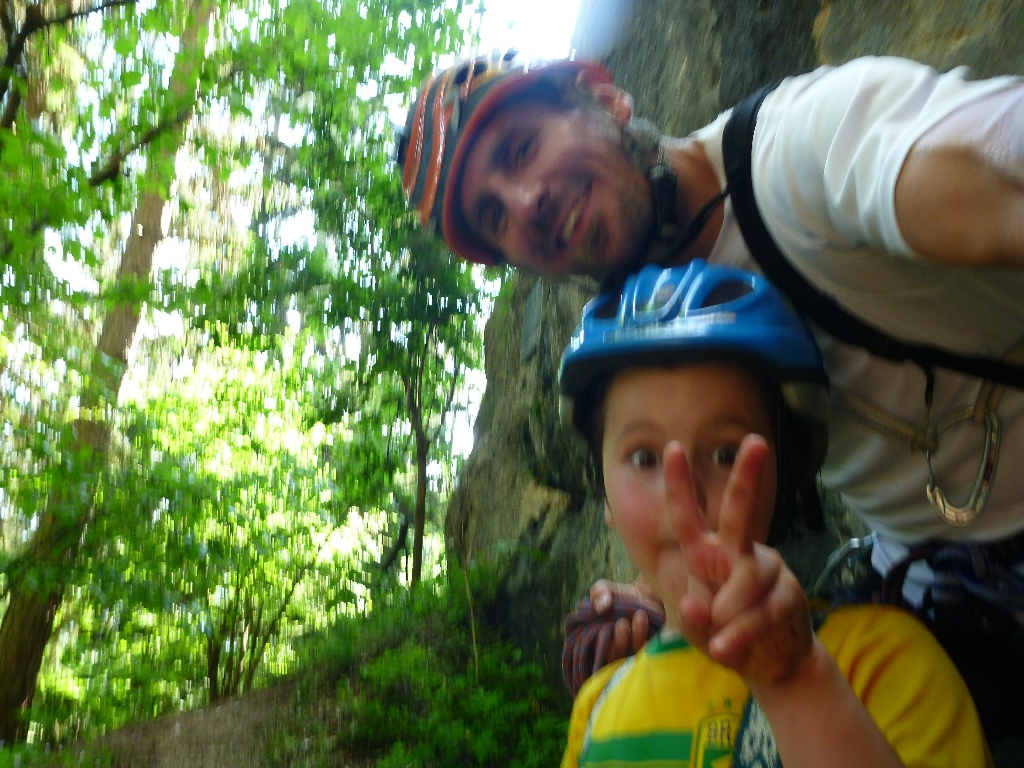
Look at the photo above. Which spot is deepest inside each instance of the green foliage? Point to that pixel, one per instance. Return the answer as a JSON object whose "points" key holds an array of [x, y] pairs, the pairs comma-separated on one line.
{"points": [[409, 692], [200, 498], [204, 560], [457, 719]]}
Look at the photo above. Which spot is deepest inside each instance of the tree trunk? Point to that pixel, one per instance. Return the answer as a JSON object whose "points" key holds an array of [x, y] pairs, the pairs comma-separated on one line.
{"points": [[28, 621], [22, 642], [213, 646], [421, 496]]}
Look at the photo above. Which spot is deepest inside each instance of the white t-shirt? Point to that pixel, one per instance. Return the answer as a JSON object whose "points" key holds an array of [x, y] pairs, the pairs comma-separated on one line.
{"points": [[828, 149]]}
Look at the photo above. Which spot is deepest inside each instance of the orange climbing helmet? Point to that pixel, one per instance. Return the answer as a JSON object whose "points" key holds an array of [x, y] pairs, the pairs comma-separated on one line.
{"points": [[450, 109]]}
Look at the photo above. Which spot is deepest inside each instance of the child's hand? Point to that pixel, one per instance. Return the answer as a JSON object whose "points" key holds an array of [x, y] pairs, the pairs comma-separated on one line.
{"points": [[747, 611]]}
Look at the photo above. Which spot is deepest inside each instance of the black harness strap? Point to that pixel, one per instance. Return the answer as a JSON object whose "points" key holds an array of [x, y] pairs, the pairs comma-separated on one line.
{"points": [[737, 148]]}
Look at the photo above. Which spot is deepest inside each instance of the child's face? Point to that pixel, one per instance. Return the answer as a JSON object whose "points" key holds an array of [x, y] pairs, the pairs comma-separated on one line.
{"points": [[708, 409]]}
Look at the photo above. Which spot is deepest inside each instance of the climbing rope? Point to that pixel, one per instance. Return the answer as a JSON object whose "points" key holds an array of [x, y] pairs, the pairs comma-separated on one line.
{"points": [[588, 636]]}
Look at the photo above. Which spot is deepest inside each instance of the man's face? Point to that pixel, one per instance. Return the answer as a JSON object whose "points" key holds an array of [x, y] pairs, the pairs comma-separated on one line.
{"points": [[554, 192]]}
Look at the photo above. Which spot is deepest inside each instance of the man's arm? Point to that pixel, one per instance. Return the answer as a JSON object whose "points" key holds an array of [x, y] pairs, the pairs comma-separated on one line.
{"points": [[960, 193]]}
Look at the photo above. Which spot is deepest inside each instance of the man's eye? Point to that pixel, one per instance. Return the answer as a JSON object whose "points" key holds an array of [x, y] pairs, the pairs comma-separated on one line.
{"points": [[520, 152], [724, 455], [643, 458], [494, 219]]}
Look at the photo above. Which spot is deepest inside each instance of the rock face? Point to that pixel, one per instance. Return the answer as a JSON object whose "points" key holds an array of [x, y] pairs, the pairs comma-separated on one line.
{"points": [[524, 499]]}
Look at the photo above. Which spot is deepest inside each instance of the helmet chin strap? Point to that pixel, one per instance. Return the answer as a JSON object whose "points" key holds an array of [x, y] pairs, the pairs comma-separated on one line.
{"points": [[641, 141]]}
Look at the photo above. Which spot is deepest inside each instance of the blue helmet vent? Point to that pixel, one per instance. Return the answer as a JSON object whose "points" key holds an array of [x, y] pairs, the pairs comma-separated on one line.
{"points": [[725, 292], [701, 313]]}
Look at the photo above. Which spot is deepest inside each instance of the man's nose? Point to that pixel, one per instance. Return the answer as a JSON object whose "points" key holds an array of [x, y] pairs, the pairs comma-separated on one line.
{"points": [[528, 199]]}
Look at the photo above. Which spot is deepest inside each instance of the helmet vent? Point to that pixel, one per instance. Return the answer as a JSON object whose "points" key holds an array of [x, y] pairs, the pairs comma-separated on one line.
{"points": [[725, 292], [608, 309]]}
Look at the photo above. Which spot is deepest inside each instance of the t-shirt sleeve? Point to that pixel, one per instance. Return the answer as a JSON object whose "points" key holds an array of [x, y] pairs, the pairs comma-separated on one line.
{"points": [[582, 706], [829, 147], [908, 685]]}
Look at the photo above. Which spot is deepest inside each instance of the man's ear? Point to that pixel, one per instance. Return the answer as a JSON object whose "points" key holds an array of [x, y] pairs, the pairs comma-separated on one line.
{"points": [[611, 97], [608, 519]]}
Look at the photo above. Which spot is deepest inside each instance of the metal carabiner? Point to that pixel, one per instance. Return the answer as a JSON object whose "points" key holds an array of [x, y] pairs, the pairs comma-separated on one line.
{"points": [[839, 556], [961, 517]]}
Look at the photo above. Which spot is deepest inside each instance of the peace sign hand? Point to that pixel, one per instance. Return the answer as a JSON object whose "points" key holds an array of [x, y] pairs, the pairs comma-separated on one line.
{"points": [[742, 606]]}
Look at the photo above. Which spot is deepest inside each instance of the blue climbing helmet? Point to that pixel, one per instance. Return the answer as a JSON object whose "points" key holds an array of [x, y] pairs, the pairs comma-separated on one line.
{"points": [[697, 313]]}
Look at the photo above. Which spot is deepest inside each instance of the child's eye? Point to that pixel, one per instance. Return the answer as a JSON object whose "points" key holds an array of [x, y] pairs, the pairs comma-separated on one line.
{"points": [[724, 455], [643, 458]]}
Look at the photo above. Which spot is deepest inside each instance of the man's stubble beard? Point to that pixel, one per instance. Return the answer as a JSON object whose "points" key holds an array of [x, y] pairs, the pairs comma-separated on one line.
{"points": [[594, 259]]}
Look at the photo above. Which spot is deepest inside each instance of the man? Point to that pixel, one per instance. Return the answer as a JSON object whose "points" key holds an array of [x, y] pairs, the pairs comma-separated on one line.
{"points": [[894, 189]]}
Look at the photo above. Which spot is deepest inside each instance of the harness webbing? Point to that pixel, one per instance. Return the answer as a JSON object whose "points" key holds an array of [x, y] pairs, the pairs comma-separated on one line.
{"points": [[737, 148]]}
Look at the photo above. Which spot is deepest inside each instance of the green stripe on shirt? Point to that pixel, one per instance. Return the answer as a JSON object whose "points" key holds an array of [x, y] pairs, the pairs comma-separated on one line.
{"points": [[661, 749]]}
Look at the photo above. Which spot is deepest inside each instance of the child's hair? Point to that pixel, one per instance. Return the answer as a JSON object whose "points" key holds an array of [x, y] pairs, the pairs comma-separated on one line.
{"points": [[699, 313]]}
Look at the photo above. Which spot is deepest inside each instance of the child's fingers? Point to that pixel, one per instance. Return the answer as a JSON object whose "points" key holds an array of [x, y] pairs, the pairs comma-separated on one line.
{"points": [[695, 619], [750, 580], [640, 630], [707, 560], [684, 512], [769, 640], [732, 645], [737, 517]]}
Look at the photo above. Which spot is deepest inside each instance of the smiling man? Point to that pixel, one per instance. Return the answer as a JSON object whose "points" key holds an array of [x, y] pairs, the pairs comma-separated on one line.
{"points": [[549, 192], [893, 189], [544, 170]]}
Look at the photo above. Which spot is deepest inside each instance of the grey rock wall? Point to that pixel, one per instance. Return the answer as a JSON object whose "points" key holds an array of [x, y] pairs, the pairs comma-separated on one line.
{"points": [[523, 500]]}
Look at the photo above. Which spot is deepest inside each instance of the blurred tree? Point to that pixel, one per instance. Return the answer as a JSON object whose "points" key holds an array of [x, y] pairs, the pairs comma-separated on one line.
{"points": [[166, 542], [36, 594], [417, 308]]}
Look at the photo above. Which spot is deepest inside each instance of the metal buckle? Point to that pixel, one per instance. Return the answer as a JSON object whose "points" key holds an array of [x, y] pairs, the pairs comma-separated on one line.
{"points": [[961, 517], [839, 556]]}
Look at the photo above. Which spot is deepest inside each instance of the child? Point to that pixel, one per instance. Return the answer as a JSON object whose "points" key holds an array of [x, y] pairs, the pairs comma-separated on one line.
{"points": [[704, 400]]}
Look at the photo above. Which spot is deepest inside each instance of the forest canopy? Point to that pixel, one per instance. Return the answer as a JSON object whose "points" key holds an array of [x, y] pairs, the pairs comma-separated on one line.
{"points": [[230, 362]]}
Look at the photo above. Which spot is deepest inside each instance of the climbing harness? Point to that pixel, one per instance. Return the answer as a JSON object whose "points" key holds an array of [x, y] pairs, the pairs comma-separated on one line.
{"points": [[981, 571]]}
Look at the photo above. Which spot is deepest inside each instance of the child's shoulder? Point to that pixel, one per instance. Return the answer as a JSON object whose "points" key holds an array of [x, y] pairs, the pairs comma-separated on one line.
{"points": [[907, 683], [877, 623], [879, 644], [853, 632], [592, 689]]}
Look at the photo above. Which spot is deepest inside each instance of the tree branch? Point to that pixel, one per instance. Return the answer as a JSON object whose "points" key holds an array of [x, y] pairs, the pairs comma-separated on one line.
{"points": [[450, 398], [10, 111], [35, 21], [7, 18], [108, 171], [400, 540], [112, 167], [71, 15], [272, 627]]}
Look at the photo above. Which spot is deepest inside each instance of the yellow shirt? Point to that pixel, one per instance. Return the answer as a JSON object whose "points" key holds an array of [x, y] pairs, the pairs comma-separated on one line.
{"points": [[676, 708]]}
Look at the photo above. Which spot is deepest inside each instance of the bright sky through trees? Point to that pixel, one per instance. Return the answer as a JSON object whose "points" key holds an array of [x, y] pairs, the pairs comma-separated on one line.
{"points": [[539, 27]]}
